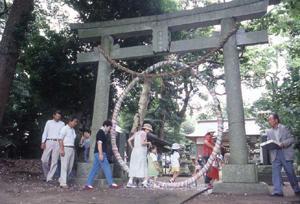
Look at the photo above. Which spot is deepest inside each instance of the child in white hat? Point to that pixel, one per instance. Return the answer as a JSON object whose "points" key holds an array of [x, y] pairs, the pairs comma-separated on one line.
{"points": [[175, 164]]}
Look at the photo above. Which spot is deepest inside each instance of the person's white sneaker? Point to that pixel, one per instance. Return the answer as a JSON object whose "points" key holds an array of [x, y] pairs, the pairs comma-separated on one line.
{"points": [[156, 186], [130, 185], [88, 187], [145, 184], [114, 186]]}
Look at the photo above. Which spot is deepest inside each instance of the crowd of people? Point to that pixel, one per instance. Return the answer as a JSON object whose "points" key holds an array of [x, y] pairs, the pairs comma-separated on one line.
{"points": [[58, 141]]}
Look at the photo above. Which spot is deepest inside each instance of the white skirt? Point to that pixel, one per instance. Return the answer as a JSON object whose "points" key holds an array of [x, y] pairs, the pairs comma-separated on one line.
{"points": [[138, 162]]}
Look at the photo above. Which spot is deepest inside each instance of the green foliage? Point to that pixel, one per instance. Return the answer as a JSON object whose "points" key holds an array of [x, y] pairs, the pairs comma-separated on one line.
{"points": [[50, 62], [255, 64], [282, 94], [282, 98], [47, 78], [103, 10], [187, 127], [3, 16], [16, 126]]}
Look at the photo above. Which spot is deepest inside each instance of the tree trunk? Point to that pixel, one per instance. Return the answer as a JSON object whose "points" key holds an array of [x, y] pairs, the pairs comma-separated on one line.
{"points": [[162, 113], [188, 88], [14, 32], [143, 104], [161, 132]]}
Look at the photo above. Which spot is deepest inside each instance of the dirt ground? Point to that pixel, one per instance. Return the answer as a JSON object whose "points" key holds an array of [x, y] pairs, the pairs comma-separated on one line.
{"points": [[21, 183]]}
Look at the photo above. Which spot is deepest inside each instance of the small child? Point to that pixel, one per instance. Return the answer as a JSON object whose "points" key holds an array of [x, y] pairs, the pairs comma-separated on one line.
{"points": [[153, 165], [175, 165], [197, 167], [196, 164], [85, 143]]}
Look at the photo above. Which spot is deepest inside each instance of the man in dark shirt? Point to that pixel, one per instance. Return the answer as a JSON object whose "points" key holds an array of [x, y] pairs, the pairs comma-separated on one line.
{"points": [[100, 157]]}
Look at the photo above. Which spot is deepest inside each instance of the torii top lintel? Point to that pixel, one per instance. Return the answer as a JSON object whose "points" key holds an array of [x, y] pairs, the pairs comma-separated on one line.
{"points": [[160, 27], [199, 17]]}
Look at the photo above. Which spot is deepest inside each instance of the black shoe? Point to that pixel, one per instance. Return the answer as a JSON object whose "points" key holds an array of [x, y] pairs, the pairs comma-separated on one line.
{"points": [[297, 193], [277, 195], [52, 182]]}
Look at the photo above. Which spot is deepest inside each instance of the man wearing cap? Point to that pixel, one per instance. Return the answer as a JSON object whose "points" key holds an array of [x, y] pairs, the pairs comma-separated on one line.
{"points": [[50, 145], [100, 158], [138, 159], [208, 149]]}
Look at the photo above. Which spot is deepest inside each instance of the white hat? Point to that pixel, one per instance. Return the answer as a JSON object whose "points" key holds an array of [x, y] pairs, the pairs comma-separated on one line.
{"points": [[175, 146], [148, 127], [210, 131]]}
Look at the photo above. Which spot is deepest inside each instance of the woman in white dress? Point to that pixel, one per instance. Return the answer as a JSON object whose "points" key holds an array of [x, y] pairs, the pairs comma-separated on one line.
{"points": [[138, 159]]}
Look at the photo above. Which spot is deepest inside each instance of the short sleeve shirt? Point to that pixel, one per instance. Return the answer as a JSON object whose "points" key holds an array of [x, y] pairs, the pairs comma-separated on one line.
{"points": [[175, 159], [101, 137], [206, 149], [68, 135], [153, 157], [86, 143]]}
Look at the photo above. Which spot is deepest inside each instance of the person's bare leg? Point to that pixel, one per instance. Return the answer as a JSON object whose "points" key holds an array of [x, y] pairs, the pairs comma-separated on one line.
{"points": [[175, 175], [145, 181]]}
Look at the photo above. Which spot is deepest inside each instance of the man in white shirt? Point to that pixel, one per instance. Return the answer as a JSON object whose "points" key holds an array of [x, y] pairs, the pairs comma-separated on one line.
{"points": [[50, 145], [67, 138]]}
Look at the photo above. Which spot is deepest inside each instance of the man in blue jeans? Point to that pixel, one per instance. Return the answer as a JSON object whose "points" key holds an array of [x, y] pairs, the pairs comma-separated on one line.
{"points": [[100, 158], [283, 156]]}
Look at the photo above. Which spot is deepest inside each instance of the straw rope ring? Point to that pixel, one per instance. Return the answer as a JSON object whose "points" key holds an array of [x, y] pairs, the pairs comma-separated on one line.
{"points": [[216, 148]]}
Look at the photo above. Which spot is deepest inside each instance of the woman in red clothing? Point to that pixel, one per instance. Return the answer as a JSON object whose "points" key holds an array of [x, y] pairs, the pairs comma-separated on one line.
{"points": [[207, 150], [208, 143], [213, 172]]}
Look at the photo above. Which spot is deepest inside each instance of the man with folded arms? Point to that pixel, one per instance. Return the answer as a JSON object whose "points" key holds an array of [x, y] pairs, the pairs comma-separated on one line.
{"points": [[67, 150], [282, 157], [50, 145]]}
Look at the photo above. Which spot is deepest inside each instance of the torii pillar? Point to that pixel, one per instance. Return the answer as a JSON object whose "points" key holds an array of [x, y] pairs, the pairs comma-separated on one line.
{"points": [[100, 112], [238, 176], [101, 100]]}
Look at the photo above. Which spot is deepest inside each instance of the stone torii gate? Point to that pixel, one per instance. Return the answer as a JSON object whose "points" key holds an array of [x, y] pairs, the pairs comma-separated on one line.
{"points": [[238, 176]]}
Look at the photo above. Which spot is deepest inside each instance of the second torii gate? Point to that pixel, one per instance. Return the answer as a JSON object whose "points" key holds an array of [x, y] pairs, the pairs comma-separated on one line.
{"points": [[238, 176]]}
